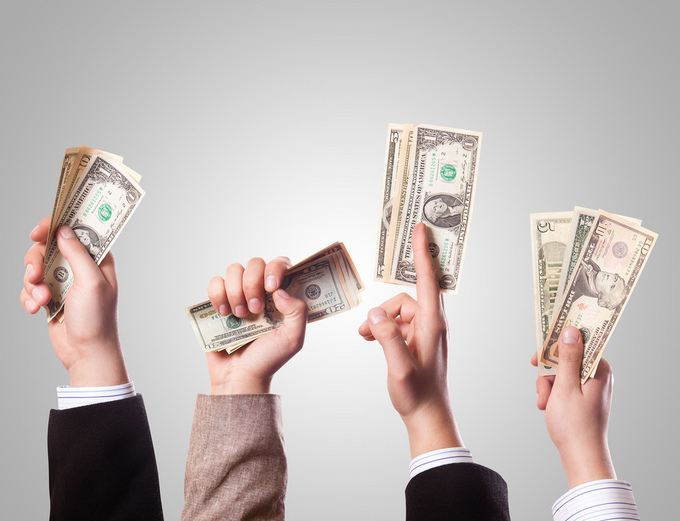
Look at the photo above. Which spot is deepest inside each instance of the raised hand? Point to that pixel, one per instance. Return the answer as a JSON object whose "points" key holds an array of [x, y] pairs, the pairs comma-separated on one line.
{"points": [[87, 341], [577, 416], [250, 369], [414, 338]]}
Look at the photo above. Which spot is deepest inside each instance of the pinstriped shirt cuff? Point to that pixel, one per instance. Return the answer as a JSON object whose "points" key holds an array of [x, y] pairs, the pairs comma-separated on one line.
{"points": [[602, 500], [69, 397], [436, 458]]}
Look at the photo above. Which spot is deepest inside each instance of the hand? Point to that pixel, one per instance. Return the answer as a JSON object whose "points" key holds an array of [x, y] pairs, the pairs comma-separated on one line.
{"points": [[414, 338], [577, 416], [250, 369], [86, 342]]}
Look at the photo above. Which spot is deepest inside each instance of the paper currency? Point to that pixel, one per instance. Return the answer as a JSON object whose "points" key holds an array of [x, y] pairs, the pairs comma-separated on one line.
{"points": [[581, 223], [611, 261], [435, 184], [96, 196], [549, 238], [394, 140], [327, 281]]}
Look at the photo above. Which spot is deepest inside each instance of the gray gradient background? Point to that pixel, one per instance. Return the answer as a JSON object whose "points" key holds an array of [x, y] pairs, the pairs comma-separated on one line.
{"points": [[260, 130]]}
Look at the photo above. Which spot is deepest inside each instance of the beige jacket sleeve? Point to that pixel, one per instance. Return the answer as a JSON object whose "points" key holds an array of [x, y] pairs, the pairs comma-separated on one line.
{"points": [[236, 467]]}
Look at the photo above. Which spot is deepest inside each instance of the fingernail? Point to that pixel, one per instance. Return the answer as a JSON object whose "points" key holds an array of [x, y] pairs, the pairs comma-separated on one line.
{"points": [[66, 232], [241, 311], [571, 335], [283, 294], [363, 324], [377, 315], [30, 270], [270, 283], [36, 294], [255, 305], [33, 230], [224, 310]]}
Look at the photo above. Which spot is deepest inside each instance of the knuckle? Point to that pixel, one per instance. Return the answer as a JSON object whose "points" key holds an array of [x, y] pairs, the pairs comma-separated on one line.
{"points": [[252, 286]]}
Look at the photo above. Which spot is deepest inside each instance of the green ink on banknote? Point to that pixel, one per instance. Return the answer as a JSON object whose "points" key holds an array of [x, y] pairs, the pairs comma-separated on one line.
{"points": [[104, 212], [448, 172]]}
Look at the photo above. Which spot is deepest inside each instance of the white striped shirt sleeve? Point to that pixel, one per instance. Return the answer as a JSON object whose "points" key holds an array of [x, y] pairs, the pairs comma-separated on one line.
{"points": [[436, 458], [602, 500], [68, 397]]}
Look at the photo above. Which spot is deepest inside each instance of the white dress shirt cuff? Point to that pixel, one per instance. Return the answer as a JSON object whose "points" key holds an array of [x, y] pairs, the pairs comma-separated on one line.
{"points": [[436, 458], [68, 397], [600, 500]]}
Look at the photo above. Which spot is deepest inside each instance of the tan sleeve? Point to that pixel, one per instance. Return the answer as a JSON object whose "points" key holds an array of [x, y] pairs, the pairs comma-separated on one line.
{"points": [[236, 467]]}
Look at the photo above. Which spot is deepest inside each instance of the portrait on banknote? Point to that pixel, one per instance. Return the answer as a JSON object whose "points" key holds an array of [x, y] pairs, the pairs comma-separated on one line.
{"points": [[443, 210], [608, 288]]}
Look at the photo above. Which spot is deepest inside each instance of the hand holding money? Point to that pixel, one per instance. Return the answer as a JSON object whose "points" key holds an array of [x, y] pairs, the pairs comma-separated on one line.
{"points": [[241, 309], [414, 337], [86, 341], [242, 290], [577, 415]]}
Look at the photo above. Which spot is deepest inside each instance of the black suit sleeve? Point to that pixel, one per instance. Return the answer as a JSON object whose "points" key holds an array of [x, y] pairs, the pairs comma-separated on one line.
{"points": [[459, 491], [102, 463]]}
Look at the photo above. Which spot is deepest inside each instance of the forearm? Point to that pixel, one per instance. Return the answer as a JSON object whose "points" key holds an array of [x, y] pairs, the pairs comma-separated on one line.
{"points": [[583, 464], [431, 428], [236, 466], [102, 462]]}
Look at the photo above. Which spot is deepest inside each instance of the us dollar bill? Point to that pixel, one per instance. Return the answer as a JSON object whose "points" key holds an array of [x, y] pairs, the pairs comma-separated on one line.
{"points": [[74, 164], [97, 209], [581, 224], [320, 281], [394, 138], [66, 166], [612, 259], [438, 190], [549, 237], [399, 187]]}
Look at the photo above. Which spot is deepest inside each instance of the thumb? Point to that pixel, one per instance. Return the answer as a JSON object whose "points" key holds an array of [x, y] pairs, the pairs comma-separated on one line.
{"points": [[571, 355], [294, 313], [75, 253], [386, 331]]}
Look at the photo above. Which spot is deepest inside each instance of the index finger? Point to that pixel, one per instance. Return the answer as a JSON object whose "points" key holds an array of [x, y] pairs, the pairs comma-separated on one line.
{"points": [[427, 281], [274, 272]]}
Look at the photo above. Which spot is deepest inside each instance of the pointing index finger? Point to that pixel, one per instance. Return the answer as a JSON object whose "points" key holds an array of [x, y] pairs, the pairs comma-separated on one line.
{"points": [[427, 283]]}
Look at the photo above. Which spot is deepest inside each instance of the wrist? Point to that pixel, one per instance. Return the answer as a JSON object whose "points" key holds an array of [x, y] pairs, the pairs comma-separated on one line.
{"points": [[432, 428], [585, 464], [243, 386], [104, 368]]}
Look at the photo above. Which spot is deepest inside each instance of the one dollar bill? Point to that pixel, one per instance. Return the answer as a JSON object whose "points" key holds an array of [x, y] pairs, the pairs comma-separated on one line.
{"points": [[96, 200], [434, 183]]}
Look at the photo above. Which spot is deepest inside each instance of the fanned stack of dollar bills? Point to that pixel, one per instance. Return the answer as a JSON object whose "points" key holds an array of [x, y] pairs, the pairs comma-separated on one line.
{"points": [[430, 176], [96, 196], [327, 281], [586, 264]]}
